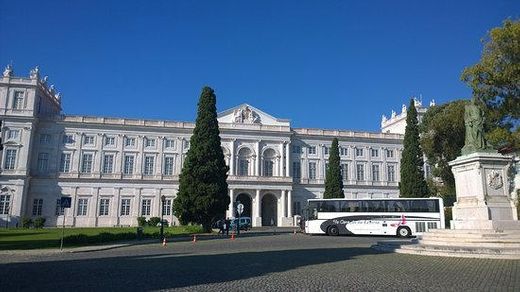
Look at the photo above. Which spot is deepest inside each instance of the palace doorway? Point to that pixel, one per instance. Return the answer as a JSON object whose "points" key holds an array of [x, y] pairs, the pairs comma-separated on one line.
{"points": [[269, 210]]}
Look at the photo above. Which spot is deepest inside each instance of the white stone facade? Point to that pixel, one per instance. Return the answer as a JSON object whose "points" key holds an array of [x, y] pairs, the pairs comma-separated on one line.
{"points": [[116, 169]]}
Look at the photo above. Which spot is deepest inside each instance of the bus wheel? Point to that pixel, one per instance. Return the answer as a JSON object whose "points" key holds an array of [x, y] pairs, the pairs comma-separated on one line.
{"points": [[404, 232], [333, 230]]}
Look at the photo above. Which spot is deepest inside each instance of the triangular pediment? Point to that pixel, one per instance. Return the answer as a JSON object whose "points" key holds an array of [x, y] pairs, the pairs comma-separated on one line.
{"points": [[247, 114]]}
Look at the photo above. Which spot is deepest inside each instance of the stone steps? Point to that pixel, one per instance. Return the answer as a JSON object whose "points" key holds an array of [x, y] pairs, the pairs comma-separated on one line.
{"points": [[459, 243]]}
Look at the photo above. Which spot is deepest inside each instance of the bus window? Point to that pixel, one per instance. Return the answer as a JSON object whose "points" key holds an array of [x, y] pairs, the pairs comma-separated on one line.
{"points": [[329, 206], [396, 206], [424, 206], [374, 206], [351, 206]]}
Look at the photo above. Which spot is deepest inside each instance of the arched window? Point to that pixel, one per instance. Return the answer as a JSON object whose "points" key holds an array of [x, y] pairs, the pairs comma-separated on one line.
{"points": [[268, 162], [244, 157]]}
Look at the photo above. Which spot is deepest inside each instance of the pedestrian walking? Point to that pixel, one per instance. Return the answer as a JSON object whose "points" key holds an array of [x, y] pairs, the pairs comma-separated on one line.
{"points": [[221, 226], [227, 226]]}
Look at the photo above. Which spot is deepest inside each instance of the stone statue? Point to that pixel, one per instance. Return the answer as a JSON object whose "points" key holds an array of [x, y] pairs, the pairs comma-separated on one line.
{"points": [[474, 121], [34, 73], [403, 108], [393, 115], [245, 115], [8, 72]]}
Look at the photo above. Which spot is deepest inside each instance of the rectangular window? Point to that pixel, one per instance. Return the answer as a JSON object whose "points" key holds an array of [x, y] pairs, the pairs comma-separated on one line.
{"points": [[86, 163], [268, 167], [243, 167], [129, 164], [145, 207], [59, 210], [312, 170], [375, 172], [168, 165], [167, 207], [110, 141], [43, 161], [68, 139], [375, 153], [45, 139], [359, 151], [10, 159], [13, 134], [296, 170], [103, 207], [296, 149], [37, 207], [360, 172], [82, 207], [108, 163], [5, 202], [326, 150], [343, 151], [125, 207], [391, 173], [389, 153], [344, 171], [169, 143], [129, 142], [312, 150], [88, 140], [18, 102], [148, 165], [65, 162], [149, 142]]}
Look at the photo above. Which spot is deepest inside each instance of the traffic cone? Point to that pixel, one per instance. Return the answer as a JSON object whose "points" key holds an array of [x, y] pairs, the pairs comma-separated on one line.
{"points": [[164, 242], [233, 235], [194, 238]]}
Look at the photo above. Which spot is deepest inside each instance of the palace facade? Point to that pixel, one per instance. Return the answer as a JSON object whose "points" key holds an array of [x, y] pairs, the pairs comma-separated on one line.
{"points": [[117, 169]]}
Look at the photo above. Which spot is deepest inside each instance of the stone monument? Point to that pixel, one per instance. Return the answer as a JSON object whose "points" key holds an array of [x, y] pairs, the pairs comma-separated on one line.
{"points": [[481, 181], [485, 220]]}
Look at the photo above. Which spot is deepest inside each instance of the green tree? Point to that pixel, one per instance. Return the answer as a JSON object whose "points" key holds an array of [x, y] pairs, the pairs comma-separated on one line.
{"points": [[495, 81], [333, 178], [442, 138], [203, 190], [412, 182]]}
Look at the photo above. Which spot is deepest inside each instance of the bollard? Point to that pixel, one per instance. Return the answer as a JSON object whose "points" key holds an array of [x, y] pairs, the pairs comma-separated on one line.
{"points": [[194, 238], [164, 242]]}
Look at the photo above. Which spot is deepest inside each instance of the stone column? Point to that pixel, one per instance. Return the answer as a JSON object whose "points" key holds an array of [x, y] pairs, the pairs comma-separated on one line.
{"points": [[287, 160], [280, 164], [232, 159], [96, 210], [257, 149], [118, 205], [258, 209], [160, 156], [289, 204], [232, 199], [281, 216]]}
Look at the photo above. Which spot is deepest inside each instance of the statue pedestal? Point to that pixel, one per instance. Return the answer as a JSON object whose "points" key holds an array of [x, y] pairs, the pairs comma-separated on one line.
{"points": [[482, 189]]}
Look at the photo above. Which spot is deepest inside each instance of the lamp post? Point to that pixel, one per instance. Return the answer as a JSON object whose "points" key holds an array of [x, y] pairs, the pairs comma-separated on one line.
{"points": [[163, 198]]}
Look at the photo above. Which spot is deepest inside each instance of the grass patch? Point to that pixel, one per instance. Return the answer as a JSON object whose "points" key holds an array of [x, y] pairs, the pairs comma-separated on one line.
{"points": [[11, 239]]}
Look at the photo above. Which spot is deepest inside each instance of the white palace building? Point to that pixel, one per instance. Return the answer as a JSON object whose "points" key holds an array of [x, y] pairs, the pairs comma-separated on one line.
{"points": [[117, 169]]}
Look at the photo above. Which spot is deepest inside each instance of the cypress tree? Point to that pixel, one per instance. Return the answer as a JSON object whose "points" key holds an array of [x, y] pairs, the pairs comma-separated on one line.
{"points": [[333, 178], [413, 184], [203, 190]]}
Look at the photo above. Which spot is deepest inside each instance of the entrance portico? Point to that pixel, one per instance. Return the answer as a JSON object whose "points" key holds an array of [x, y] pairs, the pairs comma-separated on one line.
{"points": [[265, 207]]}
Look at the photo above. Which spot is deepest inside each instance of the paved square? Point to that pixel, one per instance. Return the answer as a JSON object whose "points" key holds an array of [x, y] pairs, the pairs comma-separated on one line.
{"points": [[258, 261]]}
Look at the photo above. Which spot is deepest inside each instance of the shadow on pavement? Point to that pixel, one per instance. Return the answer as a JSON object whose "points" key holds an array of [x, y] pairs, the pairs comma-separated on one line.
{"points": [[165, 270]]}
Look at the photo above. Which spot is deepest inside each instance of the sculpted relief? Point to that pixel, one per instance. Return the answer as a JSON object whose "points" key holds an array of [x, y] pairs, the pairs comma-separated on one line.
{"points": [[245, 116]]}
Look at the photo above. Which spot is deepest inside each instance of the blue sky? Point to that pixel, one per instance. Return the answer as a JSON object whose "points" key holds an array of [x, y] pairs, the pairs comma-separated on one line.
{"points": [[322, 64]]}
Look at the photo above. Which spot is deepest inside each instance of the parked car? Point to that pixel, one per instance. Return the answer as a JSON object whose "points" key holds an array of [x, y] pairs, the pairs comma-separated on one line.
{"points": [[245, 223]]}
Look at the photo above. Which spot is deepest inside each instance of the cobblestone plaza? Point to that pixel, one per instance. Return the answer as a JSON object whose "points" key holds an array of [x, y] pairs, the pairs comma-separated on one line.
{"points": [[256, 262]]}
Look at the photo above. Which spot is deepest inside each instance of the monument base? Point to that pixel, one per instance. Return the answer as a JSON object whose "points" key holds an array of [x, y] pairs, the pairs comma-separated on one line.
{"points": [[483, 198]]}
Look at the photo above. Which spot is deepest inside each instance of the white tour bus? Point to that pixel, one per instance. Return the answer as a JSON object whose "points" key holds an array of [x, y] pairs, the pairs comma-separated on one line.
{"points": [[398, 216]]}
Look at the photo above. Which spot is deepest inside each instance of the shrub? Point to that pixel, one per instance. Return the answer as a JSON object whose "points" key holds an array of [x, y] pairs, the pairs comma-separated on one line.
{"points": [[154, 221], [39, 222], [141, 221], [27, 222]]}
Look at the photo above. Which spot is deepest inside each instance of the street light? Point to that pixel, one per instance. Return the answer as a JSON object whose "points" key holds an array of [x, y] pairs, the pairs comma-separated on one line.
{"points": [[163, 198]]}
